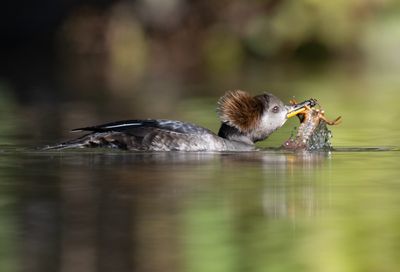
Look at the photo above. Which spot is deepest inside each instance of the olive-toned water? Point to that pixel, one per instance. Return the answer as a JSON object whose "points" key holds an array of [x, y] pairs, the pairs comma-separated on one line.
{"points": [[107, 210], [264, 211]]}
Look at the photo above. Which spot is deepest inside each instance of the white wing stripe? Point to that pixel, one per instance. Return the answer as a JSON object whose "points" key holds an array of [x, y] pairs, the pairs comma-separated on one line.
{"points": [[125, 125]]}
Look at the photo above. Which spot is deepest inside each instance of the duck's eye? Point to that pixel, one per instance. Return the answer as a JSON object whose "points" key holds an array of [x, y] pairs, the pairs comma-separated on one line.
{"points": [[275, 109]]}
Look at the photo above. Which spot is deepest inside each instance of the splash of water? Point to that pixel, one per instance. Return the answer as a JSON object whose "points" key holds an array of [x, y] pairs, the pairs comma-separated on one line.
{"points": [[319, 139]]}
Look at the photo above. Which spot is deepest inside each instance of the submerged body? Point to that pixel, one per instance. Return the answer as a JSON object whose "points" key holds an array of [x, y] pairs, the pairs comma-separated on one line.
{"points": [[245, 120]]}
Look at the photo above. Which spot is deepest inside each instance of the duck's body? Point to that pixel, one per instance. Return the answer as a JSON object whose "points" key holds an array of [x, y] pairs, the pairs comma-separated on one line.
{"points": [[245, 120], [154, 135]]}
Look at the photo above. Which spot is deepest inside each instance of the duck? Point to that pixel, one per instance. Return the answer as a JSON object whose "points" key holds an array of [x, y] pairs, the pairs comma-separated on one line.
{"points": [[245, 120]]}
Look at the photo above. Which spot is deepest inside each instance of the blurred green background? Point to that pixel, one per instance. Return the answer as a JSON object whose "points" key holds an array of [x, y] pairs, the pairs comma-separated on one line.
{"points": [[75, 63], [70, 63]]}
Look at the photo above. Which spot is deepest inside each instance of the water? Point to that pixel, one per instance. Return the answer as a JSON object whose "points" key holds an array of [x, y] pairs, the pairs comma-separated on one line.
{"points": [[272, 210]]}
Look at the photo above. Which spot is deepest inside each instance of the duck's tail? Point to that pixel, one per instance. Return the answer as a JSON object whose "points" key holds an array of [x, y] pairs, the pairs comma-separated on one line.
{"points": [[99, 139], [80, 142]]}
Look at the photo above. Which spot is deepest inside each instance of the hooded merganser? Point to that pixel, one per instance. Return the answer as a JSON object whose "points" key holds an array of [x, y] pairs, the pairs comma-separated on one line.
{"points": [[245, 120]]}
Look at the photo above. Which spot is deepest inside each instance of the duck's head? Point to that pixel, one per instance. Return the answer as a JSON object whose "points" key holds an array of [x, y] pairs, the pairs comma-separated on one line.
{"points": [[252, 118]]}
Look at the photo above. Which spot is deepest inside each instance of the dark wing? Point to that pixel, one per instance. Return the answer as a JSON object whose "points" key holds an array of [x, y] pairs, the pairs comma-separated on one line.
{"points": [[145, 135], [142, 127]]}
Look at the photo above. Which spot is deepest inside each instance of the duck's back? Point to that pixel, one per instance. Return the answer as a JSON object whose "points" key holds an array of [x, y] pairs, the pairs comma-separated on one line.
{"points": [[147, 135]]}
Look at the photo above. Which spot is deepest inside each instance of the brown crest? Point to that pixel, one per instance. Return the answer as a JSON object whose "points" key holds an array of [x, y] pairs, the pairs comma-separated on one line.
{"points": [[240, 110]]}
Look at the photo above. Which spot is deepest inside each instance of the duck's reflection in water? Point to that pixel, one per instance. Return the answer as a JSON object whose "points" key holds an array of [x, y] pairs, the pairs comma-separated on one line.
{"points": [[128, 211]]}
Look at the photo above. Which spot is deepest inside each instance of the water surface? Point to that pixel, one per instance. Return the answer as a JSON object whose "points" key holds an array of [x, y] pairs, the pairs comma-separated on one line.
{"points": [[107, 210], [271, 210]]}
